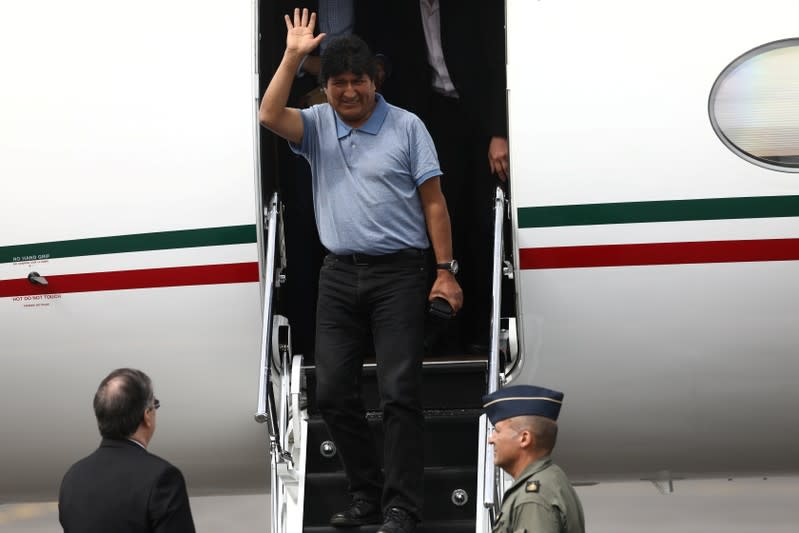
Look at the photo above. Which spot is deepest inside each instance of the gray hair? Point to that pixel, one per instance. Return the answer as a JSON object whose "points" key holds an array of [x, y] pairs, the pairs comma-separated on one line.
{"points": [[545, 430]]}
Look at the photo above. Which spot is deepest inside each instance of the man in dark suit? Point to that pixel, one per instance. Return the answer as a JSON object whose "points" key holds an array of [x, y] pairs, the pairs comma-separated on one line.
{"points": [[468, 121], [121, 487]]}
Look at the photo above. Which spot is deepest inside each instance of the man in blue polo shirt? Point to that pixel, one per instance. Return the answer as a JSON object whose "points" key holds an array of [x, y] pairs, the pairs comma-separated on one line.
{"points": [[378, 207]]}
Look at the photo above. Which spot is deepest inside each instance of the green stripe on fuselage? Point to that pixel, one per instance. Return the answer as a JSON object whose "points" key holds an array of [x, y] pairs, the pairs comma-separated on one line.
{"points": [[139, 242], [659, 211]]}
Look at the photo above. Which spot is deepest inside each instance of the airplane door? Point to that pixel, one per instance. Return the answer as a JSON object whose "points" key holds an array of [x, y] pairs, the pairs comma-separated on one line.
{"points": [[127, 157], [657, 269]]}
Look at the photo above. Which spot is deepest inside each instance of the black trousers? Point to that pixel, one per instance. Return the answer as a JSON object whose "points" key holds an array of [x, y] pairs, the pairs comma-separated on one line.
{"points": [[387, 300], [469, 189]]}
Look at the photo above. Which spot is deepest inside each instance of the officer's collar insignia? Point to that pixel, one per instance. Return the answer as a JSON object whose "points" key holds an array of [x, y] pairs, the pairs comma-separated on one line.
{"points": [[532, 486]]}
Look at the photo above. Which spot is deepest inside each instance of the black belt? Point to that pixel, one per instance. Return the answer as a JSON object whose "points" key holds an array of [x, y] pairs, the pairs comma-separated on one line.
{"points": [[385, 259]]}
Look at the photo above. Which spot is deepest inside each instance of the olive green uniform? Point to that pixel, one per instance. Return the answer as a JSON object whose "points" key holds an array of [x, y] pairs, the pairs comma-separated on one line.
{"points": [[541, 500]]}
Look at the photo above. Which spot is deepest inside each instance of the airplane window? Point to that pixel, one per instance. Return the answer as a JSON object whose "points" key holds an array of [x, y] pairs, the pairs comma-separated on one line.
{"points": [[754, 106]]}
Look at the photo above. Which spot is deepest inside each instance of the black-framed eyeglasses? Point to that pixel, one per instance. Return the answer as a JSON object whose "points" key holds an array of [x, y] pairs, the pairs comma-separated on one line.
{"points": [[156, 403]]}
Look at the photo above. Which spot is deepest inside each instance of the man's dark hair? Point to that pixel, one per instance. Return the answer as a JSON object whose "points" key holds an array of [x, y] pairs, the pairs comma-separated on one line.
{"points": [[348, 53], [120, 402]]}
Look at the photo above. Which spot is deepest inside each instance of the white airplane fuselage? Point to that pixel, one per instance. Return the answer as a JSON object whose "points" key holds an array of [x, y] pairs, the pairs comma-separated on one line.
{"points": [[658, 271], [127, 157]]}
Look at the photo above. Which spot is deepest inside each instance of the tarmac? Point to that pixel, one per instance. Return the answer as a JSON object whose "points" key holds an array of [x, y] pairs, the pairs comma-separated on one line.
{"points": [[765, 505]]}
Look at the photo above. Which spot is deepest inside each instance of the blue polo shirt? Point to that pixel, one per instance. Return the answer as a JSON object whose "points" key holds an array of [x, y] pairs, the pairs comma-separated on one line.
{"points": [[365, 179]]}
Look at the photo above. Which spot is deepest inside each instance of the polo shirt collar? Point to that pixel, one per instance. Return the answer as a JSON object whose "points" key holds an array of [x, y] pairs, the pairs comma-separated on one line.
{"points": [[372, 125]]}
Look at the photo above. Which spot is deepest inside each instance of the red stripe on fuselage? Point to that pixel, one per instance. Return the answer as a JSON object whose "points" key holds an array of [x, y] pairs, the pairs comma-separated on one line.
{"points": [[669, 253], [134, 279]]}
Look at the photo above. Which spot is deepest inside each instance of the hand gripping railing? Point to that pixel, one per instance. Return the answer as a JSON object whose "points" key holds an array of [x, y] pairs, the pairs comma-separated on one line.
{"points": [[487, 472]]}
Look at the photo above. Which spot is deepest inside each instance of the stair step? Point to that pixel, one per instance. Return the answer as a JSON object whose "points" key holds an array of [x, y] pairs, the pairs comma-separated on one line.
{"points": [[452, 526], [458, 427], [326, 494], [446, 384], [452, 393]]}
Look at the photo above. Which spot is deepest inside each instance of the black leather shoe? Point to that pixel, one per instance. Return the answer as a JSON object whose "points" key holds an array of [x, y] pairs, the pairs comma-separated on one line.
{"points": [[398, 520], [359, 513]]}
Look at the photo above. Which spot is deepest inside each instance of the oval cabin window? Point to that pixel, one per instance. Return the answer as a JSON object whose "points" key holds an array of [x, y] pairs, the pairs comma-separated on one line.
{"points": [[754, 106]]}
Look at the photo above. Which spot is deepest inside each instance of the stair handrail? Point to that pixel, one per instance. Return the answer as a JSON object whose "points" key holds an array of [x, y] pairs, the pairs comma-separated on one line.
{"points": [[263, 411], [496, 291], [266, 411], [489, 485]]}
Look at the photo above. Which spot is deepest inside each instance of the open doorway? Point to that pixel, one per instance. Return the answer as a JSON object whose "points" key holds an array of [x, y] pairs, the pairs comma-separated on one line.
{"points": [[462, 121]]}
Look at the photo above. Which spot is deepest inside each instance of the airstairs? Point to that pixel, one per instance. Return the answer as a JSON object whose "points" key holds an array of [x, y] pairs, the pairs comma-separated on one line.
{"points": [[462, 486]]}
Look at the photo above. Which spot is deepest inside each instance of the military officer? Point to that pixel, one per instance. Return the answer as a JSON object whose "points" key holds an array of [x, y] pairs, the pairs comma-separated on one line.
{"points": [[541, 499]]}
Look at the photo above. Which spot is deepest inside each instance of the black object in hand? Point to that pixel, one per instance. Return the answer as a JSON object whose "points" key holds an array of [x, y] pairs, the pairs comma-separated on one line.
{"points": [[440, 308]]}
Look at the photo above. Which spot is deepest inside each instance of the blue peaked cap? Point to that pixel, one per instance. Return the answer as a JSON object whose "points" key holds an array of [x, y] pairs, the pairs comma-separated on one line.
{"points": [[522, 400]]}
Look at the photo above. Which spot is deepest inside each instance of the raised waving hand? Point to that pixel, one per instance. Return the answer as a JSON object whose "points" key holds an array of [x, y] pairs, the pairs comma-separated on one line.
{"points": [[299, 38]]}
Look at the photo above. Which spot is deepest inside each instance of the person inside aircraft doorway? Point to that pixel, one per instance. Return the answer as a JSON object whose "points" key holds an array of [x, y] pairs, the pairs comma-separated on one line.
{"points": [[377, 196], [448, 60]]}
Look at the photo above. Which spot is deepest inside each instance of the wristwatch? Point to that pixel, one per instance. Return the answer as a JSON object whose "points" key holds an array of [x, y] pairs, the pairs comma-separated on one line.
{"points": [[449, 266]]}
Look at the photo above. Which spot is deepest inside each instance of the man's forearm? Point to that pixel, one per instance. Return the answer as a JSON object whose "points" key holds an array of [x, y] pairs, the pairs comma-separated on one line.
{"points": [[276, 97], [436, 217], [439, 230]]}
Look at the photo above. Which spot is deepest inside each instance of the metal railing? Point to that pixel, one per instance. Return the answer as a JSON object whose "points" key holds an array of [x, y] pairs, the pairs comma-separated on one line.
{"points": [[267, 410], [488, 480], [262, 413], [275, 416]]}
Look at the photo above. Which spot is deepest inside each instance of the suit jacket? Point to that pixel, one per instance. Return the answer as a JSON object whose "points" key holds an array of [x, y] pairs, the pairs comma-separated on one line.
{"points": [[473, 42], [123, 488], [394, 30]]}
